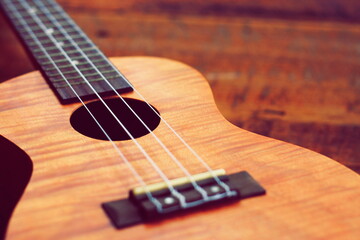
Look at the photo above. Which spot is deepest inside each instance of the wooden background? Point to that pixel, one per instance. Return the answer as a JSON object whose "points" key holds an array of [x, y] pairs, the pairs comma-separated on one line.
{"points": [[285, 69]]}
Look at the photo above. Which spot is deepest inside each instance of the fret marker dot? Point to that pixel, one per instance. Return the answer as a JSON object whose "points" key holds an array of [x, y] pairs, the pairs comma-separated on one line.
{"points": [[49, 31], [61, 44], [32, 10], [215, 189], [169, 200], [75, 62]]}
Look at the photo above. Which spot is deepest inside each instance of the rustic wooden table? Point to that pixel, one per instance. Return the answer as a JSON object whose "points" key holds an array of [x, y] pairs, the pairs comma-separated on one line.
{"points": [[285, 69]]}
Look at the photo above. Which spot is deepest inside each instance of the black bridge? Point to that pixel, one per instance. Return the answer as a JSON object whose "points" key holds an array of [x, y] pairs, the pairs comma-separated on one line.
{"points": [[163, 203]]}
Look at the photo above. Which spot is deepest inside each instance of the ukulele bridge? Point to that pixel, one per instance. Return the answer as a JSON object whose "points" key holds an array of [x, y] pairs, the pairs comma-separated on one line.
{"points": [[158, 201]]}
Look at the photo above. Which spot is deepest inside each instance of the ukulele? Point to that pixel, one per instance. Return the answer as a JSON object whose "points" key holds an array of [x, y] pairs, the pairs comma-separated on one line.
{"points": [[135, 148]]}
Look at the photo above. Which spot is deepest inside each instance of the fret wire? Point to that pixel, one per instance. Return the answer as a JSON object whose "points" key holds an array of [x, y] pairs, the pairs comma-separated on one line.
{"points": [[86, 45], [67, 26], [81, 44], [40, 36], [56, 15], [43, 18], [59, 57], [86, 50], [88, 76], [67, 50], [77, 29], [89, 79], [39, 31], [84, 69], [59, 38], [46, 21], [64, 85], [44, 41], [49, 45], [35, 29], [92, 74], [57, 10], [74, 72], [59, 54], [72, 51], [80, 63], [86, 41], [66, 43]]}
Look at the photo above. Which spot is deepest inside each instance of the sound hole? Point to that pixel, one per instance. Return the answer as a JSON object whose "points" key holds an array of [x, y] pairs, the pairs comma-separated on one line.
{"points": [[84, 123]]}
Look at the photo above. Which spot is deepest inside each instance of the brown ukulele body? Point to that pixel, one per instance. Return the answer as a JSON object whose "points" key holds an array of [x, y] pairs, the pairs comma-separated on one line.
{"points": [[308, 195]]}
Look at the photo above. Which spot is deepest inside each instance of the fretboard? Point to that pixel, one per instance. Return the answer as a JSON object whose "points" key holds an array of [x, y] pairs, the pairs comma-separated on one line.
{"points": [[72, 64]]}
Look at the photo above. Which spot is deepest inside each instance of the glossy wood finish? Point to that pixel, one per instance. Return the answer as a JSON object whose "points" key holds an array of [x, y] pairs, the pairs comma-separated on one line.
{"points": [[284, 69], [309, 196]]}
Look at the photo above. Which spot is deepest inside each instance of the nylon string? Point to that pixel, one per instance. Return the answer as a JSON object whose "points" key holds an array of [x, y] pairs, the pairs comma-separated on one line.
{"points": [[190, 177], [173, 191], [202, 161], [126, 161], [217, 179], [142, 150]]}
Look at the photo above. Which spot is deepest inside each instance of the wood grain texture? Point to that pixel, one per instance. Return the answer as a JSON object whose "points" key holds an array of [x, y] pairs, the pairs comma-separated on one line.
{"points": [[285, 69], [309, 196]]}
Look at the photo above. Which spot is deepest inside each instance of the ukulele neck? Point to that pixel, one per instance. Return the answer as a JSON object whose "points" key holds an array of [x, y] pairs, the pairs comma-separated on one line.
{"points": [[71, 63]]}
